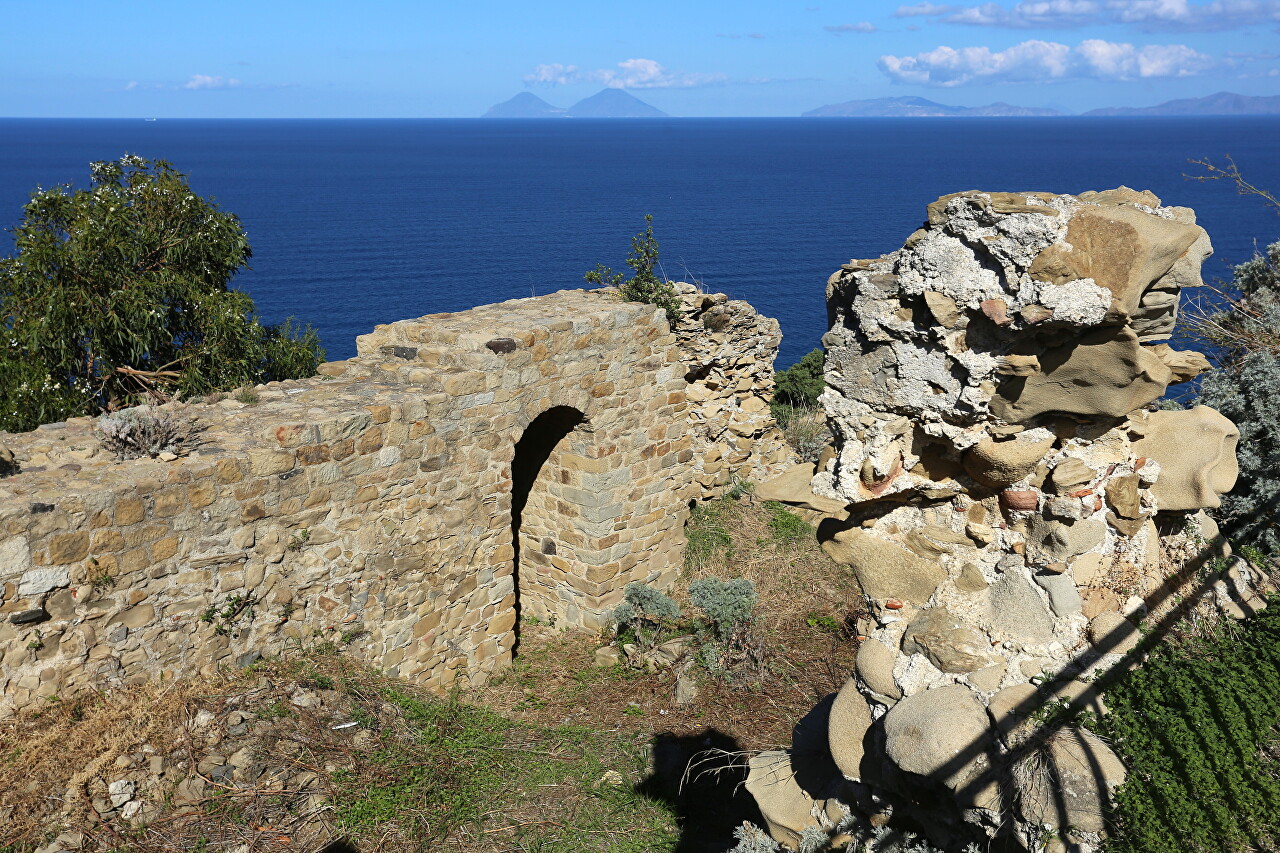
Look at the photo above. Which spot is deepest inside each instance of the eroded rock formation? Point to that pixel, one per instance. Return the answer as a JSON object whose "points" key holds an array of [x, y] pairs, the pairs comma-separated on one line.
{"points": [[1004, 482]]}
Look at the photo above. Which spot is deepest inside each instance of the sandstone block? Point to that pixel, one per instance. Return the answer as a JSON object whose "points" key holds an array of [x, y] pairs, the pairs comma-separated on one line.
{"points": [[1196, 449], [1103, 373], [948, 643], [884, 569], [941, 734]]}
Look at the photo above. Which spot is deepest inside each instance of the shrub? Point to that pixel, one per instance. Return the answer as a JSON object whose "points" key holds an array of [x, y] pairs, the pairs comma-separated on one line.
{"points": [[1193, 725], [119, 294], [728, 605], [646, 612], [1246, 388], [144, 431], [646, 285], [801, 384], [795, 406]]}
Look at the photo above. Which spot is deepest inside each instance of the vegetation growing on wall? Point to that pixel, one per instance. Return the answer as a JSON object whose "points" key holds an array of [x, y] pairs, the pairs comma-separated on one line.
{"points": [[119, 294], [648, 284]]}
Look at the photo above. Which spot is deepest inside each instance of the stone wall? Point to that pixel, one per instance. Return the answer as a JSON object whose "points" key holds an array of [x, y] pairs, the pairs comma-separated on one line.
{"points": [[729, 350], [372, 505], [1012, 500]]}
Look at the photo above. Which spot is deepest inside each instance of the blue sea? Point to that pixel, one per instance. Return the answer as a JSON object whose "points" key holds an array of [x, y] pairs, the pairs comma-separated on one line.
{"points": [[359, 222]]}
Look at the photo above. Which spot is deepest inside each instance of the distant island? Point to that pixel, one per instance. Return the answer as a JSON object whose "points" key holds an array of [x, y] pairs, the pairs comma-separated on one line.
{"points": [[919, 107], [619, 103], [1220, 104], [607, 103]]}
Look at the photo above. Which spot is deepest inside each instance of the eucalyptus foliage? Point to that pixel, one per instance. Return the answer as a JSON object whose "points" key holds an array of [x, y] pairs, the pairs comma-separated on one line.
{"points": [[1246, 388], [119, 294]]}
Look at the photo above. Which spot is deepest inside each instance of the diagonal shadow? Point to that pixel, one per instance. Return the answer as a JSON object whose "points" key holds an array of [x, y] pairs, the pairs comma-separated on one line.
{"points": [[1050, 694]]}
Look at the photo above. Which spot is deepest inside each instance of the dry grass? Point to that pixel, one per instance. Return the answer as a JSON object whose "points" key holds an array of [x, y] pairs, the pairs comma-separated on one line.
{"points": [[557, 754], [805, 623], [414, 772]]}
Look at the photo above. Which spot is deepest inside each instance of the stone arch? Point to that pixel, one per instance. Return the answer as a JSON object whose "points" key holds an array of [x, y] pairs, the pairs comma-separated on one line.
{"points": [[543, 536]]}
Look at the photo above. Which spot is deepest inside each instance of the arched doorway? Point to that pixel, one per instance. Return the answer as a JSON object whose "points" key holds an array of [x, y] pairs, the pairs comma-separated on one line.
{"points": [[538, 480]]}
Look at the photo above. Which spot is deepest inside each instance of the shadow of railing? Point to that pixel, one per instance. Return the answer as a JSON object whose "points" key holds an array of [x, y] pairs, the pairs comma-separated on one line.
{"points": [[1191, 583]]}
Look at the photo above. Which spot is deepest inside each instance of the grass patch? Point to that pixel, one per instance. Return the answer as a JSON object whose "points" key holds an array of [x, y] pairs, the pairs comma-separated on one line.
{"points": [[708, 534], [1196, 724], [358, 757]]}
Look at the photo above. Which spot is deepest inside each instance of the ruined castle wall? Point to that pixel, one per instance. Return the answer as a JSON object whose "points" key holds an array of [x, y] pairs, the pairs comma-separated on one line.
{"points": [[371, 506]]}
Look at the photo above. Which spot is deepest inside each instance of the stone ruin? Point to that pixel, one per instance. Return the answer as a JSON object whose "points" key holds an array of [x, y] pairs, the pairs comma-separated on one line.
{"points": [[1010, 498], [531, 457]]}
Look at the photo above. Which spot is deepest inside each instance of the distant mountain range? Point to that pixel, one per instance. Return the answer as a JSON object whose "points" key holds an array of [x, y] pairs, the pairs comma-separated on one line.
{"points": [[920, 107], [607, 103], [1221, 104], [618, 103]]}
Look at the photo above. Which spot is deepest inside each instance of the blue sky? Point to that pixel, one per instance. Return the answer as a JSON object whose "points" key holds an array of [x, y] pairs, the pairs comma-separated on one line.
{"points": [[393, 58]]}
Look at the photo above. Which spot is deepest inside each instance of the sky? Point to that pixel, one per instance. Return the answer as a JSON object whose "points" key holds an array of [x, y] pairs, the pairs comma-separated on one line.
{"points": [[456, 58]]}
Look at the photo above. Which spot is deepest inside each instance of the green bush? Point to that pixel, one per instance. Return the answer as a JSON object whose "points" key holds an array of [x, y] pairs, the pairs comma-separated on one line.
{"points": [[646, 613], [118, 294], [800, 384], [646, 285], [728, 605], [1245, 387], [1193, 724]]}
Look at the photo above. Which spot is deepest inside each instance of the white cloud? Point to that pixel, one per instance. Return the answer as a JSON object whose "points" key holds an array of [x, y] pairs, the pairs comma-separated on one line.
{"points": [[207, 81], [861, 27], [923, 10], [1145, 14], [1040, 61], [629, 74]]}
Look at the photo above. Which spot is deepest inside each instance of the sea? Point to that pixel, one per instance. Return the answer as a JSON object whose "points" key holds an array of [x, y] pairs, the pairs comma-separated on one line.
{"points": [[359, 222]]}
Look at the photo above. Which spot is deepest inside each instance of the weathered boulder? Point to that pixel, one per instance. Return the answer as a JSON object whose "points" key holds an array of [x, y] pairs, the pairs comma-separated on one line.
{"points": [[948, 643], [1067, 782], [885, 570], [788, 809], [1196, 449], [874, 665], [1103, 373], [1113, 634], [941, 734], [847, 729]]}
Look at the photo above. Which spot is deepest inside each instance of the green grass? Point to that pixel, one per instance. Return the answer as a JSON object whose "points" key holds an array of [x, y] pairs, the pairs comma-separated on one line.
{"points": [[464, 771], [1193, 724], [787, 527], [707, 533]]}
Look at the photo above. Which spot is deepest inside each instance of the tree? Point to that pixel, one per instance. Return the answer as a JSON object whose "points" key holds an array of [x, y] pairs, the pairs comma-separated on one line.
{"points": [[118, 294], [645, 285]]}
